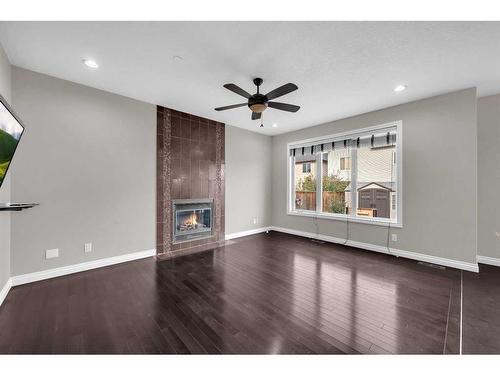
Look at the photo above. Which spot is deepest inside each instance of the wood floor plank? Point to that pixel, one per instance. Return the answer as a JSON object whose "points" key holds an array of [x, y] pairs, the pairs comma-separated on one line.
{"points": [[267, 293], [481, 311]]}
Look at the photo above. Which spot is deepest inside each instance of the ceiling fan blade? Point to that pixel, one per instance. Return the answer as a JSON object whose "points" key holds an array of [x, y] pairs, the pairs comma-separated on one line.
{"points": [[282, 90], [230, 107], [256, 115], [237, 90], [283, 106]]}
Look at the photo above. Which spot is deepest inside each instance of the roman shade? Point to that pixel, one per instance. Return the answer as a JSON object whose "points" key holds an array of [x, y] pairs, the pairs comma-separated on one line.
{"points": [[374, 140]]}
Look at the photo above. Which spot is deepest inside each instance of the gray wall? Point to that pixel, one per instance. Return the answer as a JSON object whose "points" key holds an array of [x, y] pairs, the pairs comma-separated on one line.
{"points": [[88, 158], [439, 177], [248, 180], [5, 89], [488, 182]]}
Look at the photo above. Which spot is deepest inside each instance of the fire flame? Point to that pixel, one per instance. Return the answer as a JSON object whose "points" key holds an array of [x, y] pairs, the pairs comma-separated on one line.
{"points": [[191, 220]]}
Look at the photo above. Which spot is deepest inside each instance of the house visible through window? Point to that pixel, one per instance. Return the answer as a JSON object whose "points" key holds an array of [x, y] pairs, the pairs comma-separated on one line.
{"points": [[354, 174]]}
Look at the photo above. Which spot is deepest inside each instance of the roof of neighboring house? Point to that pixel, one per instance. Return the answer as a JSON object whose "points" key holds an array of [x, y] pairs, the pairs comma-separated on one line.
{"points": [[384, 185]]}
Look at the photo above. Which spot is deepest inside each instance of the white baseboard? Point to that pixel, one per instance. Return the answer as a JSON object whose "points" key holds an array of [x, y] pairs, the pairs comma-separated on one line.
{"points": [[5, 290], [61, 271], [488, 260], [473, 267], [232, 236]]}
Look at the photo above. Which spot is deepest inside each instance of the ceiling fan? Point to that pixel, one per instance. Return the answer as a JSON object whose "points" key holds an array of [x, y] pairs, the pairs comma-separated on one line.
{"points": [[258, 102]]}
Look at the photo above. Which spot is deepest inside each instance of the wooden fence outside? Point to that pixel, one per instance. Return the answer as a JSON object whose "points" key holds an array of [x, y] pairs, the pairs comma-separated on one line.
{"points": [[306, 200]]}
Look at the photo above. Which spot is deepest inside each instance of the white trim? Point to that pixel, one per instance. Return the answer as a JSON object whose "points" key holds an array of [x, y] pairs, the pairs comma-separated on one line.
{"points": [[399, 172], [397, 223], [246, 233], [473, 267], [340, 217], [461, 309], [488, 260], [5, 290], [61, 271], [290, 176]]}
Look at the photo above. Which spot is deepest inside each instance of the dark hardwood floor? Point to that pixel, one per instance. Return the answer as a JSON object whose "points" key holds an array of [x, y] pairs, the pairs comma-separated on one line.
{"points": [[481, 311], [273, 293]]}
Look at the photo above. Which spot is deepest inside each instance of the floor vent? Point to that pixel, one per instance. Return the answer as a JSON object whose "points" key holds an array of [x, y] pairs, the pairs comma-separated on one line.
{"points": [[432, 265]]}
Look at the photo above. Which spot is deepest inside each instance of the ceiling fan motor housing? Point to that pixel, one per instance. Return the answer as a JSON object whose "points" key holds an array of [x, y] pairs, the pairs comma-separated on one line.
{"points": [[257, 103]]}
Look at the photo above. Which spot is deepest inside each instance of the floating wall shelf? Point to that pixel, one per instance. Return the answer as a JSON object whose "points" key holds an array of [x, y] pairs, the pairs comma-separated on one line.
{"points": [[16, 206]]}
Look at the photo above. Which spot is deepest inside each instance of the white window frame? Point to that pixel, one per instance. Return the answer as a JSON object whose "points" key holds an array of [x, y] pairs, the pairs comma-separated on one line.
{"points": [[352, 217]]}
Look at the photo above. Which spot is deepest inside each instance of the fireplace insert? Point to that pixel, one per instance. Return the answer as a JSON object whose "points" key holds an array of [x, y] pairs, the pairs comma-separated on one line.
{"points": [[192, 219]]}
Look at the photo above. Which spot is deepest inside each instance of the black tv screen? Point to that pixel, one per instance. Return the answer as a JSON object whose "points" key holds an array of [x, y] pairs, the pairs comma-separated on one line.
{"points": [[11, 131]]}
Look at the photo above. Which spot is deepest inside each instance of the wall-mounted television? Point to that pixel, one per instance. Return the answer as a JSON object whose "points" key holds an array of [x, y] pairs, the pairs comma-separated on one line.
{"points": [[11, 131]]}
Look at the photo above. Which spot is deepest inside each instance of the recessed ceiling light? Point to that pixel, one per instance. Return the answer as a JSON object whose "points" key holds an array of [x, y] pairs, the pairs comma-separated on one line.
{"points": [[400, 88], [178, 58], [90, 63], [275, 125]]}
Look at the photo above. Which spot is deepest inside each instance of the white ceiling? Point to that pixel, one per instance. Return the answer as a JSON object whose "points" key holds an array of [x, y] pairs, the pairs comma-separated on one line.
{"points": [[341, 68]]}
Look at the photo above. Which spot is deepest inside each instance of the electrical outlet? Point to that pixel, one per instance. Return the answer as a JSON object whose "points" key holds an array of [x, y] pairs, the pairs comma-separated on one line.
{"points": [[88, 247], [255, 220], [51, 253], [394, 237]]}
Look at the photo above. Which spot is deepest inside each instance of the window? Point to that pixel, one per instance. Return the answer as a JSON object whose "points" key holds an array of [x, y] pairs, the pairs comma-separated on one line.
{"points": [[353, 175], [306, 167], [345, 163], [375, 181], [305, 183], [335, 180]]}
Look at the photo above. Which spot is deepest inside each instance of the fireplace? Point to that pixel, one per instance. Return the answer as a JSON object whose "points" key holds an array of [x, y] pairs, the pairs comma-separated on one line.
{"points": [[192, 219], [190, 171]]}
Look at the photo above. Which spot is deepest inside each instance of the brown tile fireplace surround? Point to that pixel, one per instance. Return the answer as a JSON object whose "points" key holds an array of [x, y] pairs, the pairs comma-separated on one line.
{"points": [[190, 170]]}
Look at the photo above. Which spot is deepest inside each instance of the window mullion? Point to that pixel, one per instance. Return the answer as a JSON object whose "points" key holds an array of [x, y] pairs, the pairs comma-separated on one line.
{"points": [[354, 181], [319, 182], [291, 167]]}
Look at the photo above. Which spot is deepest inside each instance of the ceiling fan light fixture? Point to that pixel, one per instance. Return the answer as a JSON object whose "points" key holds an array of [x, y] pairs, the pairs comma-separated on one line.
{"points": [[258, 107]]}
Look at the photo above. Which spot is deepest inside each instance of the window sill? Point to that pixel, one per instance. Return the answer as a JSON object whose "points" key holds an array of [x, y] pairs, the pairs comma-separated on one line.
{"points": [[351, 219]]}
